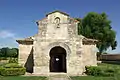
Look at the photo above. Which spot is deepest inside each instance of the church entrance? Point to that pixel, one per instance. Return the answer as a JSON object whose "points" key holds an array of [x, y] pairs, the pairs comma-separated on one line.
{"points": [[57, 59]]}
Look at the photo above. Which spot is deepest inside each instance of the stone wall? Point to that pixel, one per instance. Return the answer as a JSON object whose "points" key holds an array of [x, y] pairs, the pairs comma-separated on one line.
{"points": [[89, 55], [50, 36], [42, 56], [24, 52]]}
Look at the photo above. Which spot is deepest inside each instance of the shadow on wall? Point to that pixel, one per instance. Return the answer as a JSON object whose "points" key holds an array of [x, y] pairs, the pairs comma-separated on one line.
{"points": [[30, 62]]}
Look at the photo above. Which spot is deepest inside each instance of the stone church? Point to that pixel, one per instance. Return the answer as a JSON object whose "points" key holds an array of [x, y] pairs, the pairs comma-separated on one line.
{"points": [[57, 47]]}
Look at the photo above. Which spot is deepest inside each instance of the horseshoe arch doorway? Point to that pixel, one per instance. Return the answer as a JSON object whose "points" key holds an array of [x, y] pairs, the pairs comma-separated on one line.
{"points": [[57, 59]]}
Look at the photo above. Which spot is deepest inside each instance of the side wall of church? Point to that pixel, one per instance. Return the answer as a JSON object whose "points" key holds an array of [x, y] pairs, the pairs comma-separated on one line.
{"points": [[24, 52], [89, 55]]}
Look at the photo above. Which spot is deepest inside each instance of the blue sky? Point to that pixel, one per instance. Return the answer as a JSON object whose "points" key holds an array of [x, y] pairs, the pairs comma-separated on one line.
{"points": [[17, 17]]}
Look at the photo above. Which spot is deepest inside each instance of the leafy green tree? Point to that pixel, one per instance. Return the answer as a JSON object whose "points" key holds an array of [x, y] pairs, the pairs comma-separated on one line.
{"points": [[4, 51], [9, 52], [97, 26], [13, 52]]}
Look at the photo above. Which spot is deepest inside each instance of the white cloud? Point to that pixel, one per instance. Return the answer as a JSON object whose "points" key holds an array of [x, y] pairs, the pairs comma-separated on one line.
{"points": [[8, 38], [7, 34]]}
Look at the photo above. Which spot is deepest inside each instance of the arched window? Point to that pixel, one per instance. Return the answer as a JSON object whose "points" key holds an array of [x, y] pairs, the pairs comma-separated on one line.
{"points": [[57, 22]]}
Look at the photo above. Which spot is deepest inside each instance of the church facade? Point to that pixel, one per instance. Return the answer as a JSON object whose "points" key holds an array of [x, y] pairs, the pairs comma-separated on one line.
{"points": [[57, 47]]}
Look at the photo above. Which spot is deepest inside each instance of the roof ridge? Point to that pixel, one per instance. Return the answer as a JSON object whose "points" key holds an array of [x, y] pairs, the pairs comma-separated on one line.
{"points": [[57, 11]]}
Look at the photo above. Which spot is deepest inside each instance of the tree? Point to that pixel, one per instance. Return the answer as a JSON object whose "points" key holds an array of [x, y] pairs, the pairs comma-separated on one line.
{"points": [[9, 52], [97, 26], [4, 51], [13, 53]]}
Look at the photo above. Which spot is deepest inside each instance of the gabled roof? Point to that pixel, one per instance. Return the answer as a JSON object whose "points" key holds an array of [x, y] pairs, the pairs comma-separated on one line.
{"points": [[26, 40], [89, 41], [57, 11]]}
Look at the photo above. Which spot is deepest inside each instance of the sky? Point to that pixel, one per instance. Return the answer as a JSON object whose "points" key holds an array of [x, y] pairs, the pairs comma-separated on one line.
{"points": [[18, 17]]}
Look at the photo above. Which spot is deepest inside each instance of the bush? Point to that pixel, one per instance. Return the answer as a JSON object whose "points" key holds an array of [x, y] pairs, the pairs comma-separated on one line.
{"points": [[12, 65], [12, 71], [93, 70], [109, 72], [3, 58], [100, 71], [1, 68], [13, 60]]}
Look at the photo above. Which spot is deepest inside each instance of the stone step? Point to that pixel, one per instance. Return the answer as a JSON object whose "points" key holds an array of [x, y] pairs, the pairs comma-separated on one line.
{"points": [[59, 77]]}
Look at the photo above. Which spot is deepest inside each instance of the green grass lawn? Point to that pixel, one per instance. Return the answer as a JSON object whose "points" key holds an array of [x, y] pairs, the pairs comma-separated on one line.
{"points": [[114, 66], [22, 78], [43, 78], [93, 78]]}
